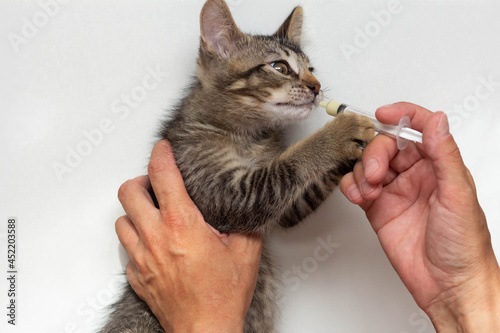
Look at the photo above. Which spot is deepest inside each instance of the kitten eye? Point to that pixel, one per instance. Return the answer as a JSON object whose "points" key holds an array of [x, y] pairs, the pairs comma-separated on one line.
{"points": [[281, 67]]}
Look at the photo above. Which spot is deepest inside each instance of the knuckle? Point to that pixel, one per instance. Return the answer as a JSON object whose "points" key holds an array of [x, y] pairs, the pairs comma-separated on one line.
{"points": [[150, 244], [172, 217], [130, 269], [141, 267], [133, 280], [125, 189], [155, 166]]}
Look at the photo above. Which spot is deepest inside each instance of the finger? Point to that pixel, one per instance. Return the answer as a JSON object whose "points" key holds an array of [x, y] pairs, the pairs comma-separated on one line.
{"points": [[246, 246], [389, 177], [166, 179], [442, 150], [223, 237], [377, 157], [368, 190], [136, 200], [391, 114], [350, 189], [380, 155], [406, 158], [127, 234], [133, 280], [246, 251]]}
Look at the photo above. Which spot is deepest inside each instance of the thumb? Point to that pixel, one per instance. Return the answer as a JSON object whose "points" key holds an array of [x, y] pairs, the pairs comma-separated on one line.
{"points": [[167, 182], [246, 246], [442, 150]]}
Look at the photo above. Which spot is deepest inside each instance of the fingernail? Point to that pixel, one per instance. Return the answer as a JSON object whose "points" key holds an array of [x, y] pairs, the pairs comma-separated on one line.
{"points": [[354, 194], [366, 188], [386, 106], [443, 127], [371, 167]]}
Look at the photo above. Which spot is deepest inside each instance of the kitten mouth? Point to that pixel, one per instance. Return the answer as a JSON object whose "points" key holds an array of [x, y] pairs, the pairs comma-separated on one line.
{"points": [[295, 104], [310, 104]]}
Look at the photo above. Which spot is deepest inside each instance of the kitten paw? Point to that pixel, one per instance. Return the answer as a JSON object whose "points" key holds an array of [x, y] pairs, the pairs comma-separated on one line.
{"points": [[356, 132]]}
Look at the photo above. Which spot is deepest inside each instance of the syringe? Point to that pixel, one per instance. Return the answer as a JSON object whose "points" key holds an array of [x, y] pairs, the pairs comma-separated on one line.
{"points": [[401, 132]]}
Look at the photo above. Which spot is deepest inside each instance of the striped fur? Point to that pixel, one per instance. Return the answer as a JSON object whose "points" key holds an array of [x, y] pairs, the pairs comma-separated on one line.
{"points": [[227, 140]]}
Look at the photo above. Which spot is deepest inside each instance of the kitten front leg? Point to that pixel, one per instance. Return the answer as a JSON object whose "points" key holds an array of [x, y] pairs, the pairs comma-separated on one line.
{"points": [[355, 135], [313, 197], [248, 200], [331, 148]]}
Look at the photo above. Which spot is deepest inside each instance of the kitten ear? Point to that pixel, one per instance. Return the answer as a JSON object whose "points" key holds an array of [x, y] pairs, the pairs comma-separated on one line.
{"points": [[291, 29], [219, 33]]}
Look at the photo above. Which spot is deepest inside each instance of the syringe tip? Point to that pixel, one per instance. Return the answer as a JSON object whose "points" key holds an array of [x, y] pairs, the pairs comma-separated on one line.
{"points": [[331, 107]]}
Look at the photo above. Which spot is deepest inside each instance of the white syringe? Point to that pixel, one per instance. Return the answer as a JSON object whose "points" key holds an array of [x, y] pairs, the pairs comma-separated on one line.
{"points": [[401, 132]]}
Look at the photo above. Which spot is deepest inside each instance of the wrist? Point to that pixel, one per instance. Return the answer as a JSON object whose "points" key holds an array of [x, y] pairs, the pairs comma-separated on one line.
{"points": [[475, 307], [218, 329], [203, 327], [211, 325], [482, 312]]}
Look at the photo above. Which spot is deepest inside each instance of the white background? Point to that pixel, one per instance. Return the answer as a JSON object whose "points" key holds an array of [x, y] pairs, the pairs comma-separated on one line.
{"points": [[67, 69]]}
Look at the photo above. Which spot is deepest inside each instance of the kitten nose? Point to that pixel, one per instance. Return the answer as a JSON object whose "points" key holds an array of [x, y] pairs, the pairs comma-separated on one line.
{"points": [[312, 83], [314, 86]]}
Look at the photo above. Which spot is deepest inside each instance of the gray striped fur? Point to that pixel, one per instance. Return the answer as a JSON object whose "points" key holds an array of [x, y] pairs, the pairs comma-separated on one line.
{"points": [[228, 142]]}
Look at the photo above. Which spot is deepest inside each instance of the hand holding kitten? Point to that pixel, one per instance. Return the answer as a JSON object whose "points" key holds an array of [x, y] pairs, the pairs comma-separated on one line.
{"points": [[192, 277]]}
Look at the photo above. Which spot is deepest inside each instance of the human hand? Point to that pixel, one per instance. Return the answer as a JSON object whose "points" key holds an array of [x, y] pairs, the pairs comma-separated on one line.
{"points": [[192, 277], [422, 204]]}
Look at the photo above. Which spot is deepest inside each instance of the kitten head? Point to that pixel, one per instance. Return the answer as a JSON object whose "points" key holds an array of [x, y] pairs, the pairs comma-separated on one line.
{"points": [[267, 79]]}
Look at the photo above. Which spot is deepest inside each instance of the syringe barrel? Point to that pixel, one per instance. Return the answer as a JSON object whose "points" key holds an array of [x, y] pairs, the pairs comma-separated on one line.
{"points": [[390, 130]]}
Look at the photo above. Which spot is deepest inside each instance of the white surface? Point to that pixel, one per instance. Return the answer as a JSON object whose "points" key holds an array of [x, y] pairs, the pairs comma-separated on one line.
{"points": [[72, 75]]}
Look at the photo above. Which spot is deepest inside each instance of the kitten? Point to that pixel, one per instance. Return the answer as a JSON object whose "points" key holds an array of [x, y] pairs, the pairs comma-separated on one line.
{"points": [[227, 140]]}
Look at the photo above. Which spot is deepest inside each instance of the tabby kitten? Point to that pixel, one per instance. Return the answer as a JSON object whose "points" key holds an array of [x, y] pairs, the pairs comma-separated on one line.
{"points": [[227, 140]]}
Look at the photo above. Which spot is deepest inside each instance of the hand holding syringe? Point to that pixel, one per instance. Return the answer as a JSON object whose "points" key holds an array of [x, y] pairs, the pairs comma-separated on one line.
{"points": [[401, 132]]}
